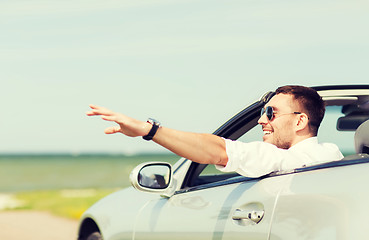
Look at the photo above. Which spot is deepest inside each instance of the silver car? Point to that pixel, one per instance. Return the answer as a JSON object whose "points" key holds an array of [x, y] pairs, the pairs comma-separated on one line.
{"points": [[193, 201]]}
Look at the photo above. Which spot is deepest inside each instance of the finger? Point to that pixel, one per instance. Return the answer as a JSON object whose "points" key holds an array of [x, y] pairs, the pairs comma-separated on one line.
{"points": [[94, 110], [97, 110], [111, 130], [91, 113], [93, 106], [112, 118]]}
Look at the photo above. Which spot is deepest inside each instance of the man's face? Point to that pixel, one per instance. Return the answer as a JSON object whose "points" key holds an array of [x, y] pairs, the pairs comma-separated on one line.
{"points": [[280, 130]]}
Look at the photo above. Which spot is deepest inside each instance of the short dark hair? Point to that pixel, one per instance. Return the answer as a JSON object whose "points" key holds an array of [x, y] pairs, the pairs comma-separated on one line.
{"points": [[310, 101]]}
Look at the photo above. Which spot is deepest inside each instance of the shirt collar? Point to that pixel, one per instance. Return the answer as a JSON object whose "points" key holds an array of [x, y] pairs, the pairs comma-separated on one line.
{"points": [[304, 143]]}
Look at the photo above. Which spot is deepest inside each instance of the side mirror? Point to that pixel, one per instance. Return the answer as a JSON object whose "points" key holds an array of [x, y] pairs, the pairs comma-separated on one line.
{"points": [[152, 177]]}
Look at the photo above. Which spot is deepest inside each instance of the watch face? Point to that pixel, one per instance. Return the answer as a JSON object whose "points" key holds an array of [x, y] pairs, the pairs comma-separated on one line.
{"points": [[155, 125], [153, 121]]}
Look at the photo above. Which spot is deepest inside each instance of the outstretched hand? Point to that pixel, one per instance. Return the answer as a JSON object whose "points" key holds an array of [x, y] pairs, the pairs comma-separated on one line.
{"points": [[201, 148], [126, 125]]}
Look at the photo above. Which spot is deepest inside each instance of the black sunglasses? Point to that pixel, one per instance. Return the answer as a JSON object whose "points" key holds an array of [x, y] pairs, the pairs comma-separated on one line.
{"points": [[270, 113]]}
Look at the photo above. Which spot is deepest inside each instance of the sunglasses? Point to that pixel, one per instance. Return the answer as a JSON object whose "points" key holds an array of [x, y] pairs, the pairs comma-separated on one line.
{"points": [[269, 112]]}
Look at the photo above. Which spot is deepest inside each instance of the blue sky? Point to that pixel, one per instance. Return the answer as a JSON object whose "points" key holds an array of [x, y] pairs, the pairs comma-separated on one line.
{"points": [[189, 64]]}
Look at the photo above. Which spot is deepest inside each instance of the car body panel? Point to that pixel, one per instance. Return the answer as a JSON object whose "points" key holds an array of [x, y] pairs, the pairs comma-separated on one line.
{"points": [[330, 203], [113, 216], [205, 214]]}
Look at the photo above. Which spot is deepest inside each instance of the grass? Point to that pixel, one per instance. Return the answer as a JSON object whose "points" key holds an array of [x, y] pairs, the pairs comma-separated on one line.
{"points": [[71, 203]]}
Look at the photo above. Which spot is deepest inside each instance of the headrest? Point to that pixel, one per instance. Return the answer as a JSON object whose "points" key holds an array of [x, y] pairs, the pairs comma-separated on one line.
{"points": [[362, 138]]}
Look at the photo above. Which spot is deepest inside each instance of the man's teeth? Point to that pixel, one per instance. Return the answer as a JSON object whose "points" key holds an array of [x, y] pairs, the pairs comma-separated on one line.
{"points": [[267, 132]]}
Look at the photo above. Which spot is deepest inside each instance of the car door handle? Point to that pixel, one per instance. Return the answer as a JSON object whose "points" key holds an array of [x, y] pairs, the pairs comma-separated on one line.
{"points": [[254, 216]]}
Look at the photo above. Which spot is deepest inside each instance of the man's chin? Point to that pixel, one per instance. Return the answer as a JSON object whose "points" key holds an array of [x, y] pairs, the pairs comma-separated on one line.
{"points": [[267, 139]]}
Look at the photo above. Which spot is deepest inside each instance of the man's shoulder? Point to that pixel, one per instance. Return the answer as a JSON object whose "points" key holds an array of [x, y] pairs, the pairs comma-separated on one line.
{"points": [[324, 150]]}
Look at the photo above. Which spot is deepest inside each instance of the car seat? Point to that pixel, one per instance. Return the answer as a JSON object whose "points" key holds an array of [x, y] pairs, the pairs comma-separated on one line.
{"points": [[362, 138]]}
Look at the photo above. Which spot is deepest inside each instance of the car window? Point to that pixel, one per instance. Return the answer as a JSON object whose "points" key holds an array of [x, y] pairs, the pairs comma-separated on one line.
{"points": [[328, 131]]}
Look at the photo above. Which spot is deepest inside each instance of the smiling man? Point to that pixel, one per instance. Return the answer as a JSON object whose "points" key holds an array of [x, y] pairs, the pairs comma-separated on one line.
{"points": [[292, 115], [290, 122]]}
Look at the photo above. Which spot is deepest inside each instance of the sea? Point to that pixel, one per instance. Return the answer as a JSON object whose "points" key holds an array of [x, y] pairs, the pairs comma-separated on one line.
{"points": [[30, 172]]}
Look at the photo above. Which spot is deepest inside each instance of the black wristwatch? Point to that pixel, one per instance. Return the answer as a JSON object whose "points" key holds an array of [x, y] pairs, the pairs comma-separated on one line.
{"points": [[155, 125]]}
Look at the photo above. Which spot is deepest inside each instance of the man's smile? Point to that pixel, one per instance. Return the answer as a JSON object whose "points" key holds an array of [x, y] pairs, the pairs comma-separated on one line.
{"points": [[267, 132]]}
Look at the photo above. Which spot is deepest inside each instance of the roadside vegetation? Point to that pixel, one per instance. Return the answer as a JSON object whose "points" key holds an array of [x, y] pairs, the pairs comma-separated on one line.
{"points": [[68, 203]]}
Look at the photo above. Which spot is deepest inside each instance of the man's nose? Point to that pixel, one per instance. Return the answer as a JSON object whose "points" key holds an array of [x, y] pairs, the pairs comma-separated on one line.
{"points": [[263, 119]]}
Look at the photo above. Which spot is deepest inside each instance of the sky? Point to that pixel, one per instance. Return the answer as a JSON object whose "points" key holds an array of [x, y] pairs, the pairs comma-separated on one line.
{"points": [[189, 64]]}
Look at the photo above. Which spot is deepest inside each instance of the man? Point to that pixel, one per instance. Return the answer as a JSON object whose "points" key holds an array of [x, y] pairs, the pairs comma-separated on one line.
{"points": [[290, 122]]}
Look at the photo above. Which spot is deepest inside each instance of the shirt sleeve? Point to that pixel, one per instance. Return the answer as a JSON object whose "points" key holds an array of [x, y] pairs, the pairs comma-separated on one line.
{"points": [[256, 159], [252, 159]]}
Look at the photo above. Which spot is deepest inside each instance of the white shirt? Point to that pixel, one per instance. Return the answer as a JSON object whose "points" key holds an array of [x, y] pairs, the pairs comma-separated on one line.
{"points": [[256, 159]]}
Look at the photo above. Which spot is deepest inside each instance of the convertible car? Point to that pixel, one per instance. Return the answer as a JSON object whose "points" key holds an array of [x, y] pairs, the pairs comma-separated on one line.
{"points": [[194, 201]]}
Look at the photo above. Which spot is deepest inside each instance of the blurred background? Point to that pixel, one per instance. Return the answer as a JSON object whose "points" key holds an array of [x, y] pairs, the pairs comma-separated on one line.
{"points": [[189, 64]]}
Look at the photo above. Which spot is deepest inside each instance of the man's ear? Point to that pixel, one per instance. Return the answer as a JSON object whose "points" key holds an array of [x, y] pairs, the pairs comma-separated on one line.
{"points": [[302, 122]]}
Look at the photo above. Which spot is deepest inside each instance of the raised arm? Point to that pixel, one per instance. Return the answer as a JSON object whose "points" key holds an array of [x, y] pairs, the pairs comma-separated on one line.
{"points": [[198, 147]]}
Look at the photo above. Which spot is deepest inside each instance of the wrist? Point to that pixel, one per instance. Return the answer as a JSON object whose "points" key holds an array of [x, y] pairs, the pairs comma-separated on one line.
{"points": [[153, 127], [146, 128]]}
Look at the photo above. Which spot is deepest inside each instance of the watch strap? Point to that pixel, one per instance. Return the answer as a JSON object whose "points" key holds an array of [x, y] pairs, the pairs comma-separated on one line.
{"points": [[154, 128]]}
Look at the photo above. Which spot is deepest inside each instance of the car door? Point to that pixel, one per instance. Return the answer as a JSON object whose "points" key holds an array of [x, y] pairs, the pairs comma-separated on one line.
{"points": [[327, 203], [219, 210]]}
